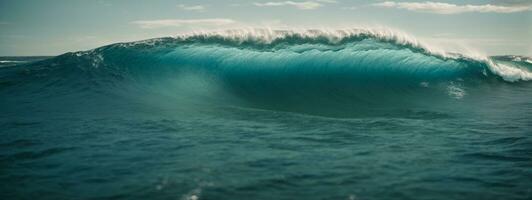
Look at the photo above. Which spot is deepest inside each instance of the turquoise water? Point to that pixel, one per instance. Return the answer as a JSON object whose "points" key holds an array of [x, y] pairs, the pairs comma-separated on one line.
{"points": [[209, 117]]}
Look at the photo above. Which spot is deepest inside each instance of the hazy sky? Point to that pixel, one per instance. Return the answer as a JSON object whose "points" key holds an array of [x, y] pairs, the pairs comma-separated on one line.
{"points": [[51, 27]]}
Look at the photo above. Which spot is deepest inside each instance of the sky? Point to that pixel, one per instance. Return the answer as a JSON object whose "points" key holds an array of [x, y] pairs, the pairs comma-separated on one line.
{"points": [[53, 27]]}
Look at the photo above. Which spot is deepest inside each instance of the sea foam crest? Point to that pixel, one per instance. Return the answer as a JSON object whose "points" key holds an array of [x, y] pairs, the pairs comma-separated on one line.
{"points": [[333, 36], [509, 73]]}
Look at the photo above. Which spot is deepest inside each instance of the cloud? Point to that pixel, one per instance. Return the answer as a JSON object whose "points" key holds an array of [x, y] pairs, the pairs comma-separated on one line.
{"points": [[302, 5], [153, 24], [447, 8], [515, 2], [350, 8], [191, 8], [327, 1]]}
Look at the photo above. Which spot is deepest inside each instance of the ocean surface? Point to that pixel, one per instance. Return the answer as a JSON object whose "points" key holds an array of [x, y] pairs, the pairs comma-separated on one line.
{"points": [[353, 114]]}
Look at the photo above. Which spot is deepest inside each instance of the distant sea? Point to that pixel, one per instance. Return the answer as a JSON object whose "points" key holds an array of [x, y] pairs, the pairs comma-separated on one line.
{"points": [[6, 61]]}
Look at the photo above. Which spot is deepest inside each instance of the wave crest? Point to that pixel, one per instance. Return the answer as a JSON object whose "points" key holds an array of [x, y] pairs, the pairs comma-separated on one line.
{"points": [[271, 40]]}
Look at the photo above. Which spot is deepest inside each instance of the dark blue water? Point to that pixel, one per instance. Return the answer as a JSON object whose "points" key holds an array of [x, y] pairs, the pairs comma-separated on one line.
{"points": [[206, 118]]}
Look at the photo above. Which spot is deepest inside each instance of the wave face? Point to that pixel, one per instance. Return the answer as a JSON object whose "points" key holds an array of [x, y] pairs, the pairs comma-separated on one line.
{"points": [[310, 71]]}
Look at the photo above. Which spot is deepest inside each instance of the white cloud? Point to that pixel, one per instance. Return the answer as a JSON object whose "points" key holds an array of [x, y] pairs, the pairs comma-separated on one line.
{"points": [[152, 24], [327, 1], [303, 5], [191, 8], [447, 8], [350, 8]]}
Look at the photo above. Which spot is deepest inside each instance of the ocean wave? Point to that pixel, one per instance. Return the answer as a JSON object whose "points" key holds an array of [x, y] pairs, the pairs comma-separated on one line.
{"points": [[349, 58], [267, 41], [309, 71]]}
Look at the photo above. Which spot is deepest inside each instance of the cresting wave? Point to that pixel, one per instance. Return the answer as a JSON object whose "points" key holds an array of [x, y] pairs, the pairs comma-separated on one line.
{"points": [[290, 70], [327, 40]]}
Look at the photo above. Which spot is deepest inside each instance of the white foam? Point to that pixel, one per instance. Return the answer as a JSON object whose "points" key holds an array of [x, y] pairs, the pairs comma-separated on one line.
{"points": [[11, 61], [267, 36], [192, 195], [509, 73], [455, 91]]}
